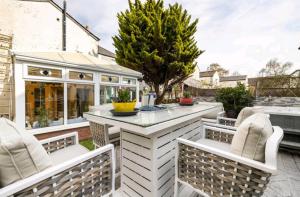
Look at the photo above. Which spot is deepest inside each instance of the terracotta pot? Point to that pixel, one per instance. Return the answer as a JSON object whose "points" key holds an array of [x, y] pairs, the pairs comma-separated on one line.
{"points": [[186, 100]]}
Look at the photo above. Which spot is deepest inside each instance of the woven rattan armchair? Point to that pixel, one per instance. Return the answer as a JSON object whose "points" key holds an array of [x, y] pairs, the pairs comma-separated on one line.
{"points": [[209, 168], [89, 174], [104, 134]]}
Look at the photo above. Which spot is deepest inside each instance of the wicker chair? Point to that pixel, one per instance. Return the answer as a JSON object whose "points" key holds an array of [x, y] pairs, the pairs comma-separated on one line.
{"points": [[224, 122], [104, 134], [209, 168], [89, 174]]}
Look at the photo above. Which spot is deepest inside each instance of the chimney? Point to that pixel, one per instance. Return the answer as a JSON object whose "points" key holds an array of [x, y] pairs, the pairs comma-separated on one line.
{"points": [[64, 25]]}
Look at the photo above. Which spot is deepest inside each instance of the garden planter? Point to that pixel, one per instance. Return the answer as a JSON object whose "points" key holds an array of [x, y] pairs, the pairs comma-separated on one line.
{"points": [[124, 107], [186, 100]]}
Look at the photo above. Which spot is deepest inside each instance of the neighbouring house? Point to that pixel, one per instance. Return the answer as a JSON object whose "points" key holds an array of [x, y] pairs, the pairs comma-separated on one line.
{"points": [[232, 81], [209, 79], [53, 69]]}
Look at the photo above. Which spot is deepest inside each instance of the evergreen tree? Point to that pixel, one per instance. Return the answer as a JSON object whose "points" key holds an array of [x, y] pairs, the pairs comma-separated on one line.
{"points": [[158, 42]]}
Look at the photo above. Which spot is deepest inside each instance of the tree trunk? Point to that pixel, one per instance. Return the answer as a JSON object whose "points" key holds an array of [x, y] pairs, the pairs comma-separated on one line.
{"points": [[159, 95]]}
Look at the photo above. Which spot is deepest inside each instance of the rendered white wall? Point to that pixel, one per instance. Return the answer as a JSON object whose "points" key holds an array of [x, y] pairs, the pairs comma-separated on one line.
{"points": [[37, 26]]}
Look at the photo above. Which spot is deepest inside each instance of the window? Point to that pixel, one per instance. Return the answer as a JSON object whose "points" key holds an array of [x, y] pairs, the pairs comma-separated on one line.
{"points": [[44, 72], [107, 93], [109, 79], [44, 104], [129, 81], [80, 97], [80, 76]]}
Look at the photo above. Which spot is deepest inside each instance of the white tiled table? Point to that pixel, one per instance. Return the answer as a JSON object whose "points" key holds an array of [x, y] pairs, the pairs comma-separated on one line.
{"points": [[148, 145]]}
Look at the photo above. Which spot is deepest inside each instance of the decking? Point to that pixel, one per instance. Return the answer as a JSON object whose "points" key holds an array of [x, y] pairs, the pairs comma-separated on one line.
{"points": [[285, 184]]}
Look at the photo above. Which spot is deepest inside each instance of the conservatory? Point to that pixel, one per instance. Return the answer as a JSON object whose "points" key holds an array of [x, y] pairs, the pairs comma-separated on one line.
{"points": [[54, 89]]}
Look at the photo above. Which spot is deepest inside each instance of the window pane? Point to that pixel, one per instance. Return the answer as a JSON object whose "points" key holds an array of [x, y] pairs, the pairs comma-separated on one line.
{"points": [[80, 76], [107, 93], [44, 104], [44, 72], [129, 81], [111, 79], [132, 93], [80, 97]]}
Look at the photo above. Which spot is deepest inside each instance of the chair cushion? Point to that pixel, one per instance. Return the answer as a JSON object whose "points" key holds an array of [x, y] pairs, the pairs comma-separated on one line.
{"points": [[215, 144], [21, 154], [67, 153], [245, 113], [251, 136]]}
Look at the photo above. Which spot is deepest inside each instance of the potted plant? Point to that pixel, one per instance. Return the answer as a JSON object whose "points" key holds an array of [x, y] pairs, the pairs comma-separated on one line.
{"points": [[123, 102], [234, 99], [186, 99]]}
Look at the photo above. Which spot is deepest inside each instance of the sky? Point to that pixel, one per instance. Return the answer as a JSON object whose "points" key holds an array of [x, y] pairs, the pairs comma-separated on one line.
{"points": [[240, 35]]}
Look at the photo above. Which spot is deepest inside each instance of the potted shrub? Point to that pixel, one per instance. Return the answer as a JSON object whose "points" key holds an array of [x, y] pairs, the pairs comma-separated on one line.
{"points": [[187, 98], [123, 102], [234, 99]]}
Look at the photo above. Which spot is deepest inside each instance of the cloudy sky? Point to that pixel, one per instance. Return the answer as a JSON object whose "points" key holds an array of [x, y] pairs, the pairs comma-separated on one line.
{"points": [[240, 35]]}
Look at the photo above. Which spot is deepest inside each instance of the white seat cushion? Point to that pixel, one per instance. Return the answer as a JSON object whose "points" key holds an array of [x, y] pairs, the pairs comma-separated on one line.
{"points": [[21, 154], [245, 113], [251, 136], [215, 144], [67, 153]]}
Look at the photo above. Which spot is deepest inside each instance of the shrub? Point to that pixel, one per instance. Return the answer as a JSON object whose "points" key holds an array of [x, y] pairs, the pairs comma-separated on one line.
{"points": [[234, 99]]}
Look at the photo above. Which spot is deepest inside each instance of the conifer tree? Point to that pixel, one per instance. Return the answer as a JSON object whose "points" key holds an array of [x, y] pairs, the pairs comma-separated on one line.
{"points": [[158, 42]]}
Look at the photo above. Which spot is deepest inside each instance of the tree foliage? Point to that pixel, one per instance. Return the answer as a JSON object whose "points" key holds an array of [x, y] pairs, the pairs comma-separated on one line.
{"points": [[158, 42], [275, 68], [217, 67]]}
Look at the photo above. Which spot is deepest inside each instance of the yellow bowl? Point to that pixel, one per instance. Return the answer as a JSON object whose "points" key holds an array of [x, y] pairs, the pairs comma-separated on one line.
{"points": [[124, 107]]}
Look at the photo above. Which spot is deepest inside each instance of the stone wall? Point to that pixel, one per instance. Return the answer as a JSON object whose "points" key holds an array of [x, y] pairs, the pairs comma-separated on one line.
{"points": [[278, 101], [264, 101]]}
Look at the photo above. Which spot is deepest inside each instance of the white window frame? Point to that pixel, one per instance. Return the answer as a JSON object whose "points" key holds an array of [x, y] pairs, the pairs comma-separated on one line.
{"points": [[26, 76], [21, 77], [108, 74], [131, 78], [83, 71]]}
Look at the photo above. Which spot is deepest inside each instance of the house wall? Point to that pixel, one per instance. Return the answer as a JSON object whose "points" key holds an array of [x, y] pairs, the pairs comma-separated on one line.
{"points": [[196, 73], [225, 84], [37, 26]]}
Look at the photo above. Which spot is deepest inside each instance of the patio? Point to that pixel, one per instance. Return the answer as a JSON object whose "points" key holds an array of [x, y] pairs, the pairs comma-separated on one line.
{"points": [[156, 152]]}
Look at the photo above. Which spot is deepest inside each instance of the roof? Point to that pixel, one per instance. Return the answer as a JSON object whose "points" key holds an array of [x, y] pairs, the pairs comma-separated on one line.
{"points": [[68, 15], [192, 82], [233, 78], [76, 60], [105, 52], [209, 73]]}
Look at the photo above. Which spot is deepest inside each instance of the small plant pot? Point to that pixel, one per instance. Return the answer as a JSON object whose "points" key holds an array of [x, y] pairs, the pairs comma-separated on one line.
{"points": [[186, 100], [124, 107]]}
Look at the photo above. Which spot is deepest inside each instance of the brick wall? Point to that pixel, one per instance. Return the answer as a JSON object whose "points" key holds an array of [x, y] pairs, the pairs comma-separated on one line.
{"points": [[83, 133]]}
